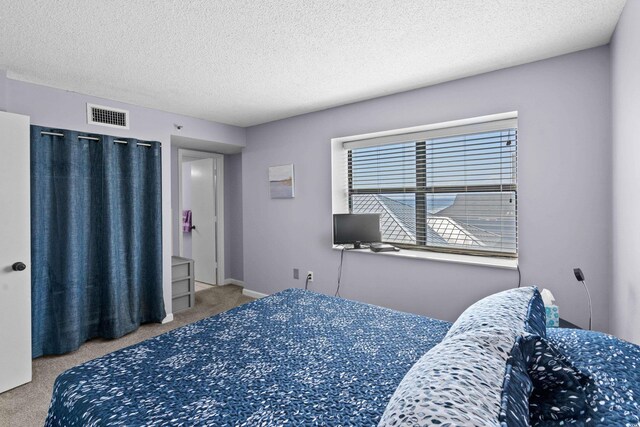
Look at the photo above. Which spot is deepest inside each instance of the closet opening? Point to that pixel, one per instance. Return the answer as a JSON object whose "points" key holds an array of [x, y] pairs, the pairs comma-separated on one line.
{"points": [[201, 206]]}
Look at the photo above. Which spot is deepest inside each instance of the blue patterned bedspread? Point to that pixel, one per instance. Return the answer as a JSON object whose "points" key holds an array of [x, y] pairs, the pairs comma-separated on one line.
{"points": [[294, 358], [613, 366], [299, 358]]}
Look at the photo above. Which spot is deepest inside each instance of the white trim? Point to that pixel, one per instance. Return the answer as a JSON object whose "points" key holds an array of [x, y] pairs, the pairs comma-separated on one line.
{"points": [[439, 132], [219, 189], [504, 263], [237, 282], [253, 294], [339, 185], [448, 126], [168, 319]]}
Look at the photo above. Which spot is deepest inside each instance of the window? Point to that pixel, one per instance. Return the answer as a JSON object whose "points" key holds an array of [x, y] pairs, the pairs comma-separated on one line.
{"points": [[449, 189]]}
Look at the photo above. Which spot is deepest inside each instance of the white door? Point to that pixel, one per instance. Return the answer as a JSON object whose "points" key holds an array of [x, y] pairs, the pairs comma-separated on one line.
{"points": [[203, 215], [15, 248]]}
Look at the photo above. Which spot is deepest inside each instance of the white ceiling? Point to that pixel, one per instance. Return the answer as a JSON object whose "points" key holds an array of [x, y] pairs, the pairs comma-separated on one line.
{"points": [[246, 62]]}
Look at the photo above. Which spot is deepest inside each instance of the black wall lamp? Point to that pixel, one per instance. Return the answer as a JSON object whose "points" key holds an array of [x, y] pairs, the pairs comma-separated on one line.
{"points": [[580, 277]]}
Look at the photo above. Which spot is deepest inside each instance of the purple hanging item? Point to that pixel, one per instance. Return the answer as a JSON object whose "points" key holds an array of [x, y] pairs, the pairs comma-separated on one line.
{"points": [[186, 221]]}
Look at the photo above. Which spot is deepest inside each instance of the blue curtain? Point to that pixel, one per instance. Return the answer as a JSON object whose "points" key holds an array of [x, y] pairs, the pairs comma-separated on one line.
{"points": [[96, 227]]}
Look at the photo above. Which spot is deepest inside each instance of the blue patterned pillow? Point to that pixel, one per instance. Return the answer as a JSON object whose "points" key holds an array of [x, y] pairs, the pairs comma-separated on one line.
{"points": [[559, 392], [519, 310], [517, 387], [478, 374], [537, 315], [462, 381]]}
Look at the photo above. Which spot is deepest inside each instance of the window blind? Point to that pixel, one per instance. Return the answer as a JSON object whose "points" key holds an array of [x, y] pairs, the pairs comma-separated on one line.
{"points": [[446, 191]]}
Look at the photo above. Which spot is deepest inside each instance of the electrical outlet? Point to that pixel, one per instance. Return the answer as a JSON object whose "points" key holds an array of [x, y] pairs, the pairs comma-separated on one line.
{"points": [[310, 276], [296, 273]]}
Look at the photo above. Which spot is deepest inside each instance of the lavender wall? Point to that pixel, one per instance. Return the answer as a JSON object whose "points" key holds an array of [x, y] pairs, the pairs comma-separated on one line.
{"points": [[625, 63], [62, 109], [233, 217], [3, 90], [564, 192]]}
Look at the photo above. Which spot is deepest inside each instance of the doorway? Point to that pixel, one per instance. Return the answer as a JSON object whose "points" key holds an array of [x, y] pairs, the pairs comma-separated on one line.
{"points": [[201, 198]]}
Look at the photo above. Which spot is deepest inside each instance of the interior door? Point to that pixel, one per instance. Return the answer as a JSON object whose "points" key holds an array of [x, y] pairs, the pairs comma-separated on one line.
{"points": [[15, 252], [203, 214]]}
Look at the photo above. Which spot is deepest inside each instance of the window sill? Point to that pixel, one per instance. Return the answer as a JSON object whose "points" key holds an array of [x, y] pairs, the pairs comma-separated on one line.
{"points": [[505, 263]]}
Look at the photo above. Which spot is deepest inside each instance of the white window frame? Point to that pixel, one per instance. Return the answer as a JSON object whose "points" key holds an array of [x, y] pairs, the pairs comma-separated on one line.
{"points": [[341, 145]]}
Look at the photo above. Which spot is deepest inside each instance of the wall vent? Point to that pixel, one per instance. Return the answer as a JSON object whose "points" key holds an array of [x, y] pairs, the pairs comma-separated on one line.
{"points": [[107, 116]]}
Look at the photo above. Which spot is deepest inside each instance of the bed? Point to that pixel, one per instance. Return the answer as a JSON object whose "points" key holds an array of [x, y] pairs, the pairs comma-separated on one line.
{"points": [[301, 358]]}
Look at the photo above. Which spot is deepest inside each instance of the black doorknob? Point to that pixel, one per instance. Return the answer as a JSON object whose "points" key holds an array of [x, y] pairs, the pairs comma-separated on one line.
{"points": [[193, 227], [18, 266]]}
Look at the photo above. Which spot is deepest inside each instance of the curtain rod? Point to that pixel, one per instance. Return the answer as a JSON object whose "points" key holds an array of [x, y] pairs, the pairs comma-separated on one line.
{"points": [[92, 138], [119, 141]]}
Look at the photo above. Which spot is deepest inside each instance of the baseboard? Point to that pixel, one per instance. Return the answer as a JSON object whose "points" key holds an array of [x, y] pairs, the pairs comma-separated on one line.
{"points": [[168, 319], [233, 282], [253, 294], [245, 291]]}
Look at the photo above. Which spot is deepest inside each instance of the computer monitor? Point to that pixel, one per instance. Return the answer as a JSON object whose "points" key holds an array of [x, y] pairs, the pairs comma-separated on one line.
{"points": [[356, 229]]}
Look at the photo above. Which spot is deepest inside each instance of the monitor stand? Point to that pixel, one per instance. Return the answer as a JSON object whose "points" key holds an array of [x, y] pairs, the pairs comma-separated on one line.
{"points": [[357, 245]]}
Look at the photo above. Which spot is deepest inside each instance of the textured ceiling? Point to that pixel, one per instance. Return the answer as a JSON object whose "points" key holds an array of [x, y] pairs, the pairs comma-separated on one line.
{"points": [[248, 62]]}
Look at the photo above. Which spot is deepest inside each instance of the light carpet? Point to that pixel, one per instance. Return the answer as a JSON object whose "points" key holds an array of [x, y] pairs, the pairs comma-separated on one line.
{"points": [[27, 405]]}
